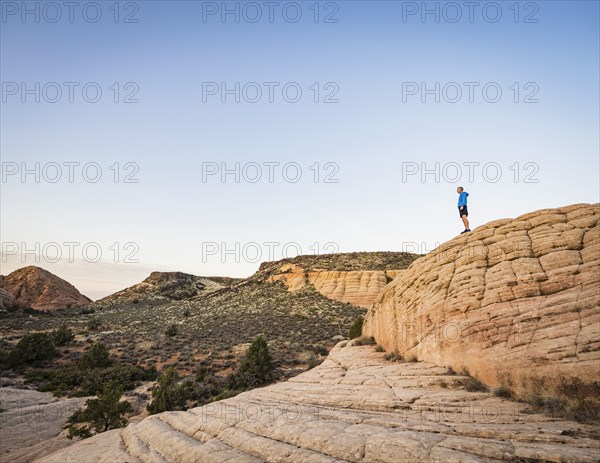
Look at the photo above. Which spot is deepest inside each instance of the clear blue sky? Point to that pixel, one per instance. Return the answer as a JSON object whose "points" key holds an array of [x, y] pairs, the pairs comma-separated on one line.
{"points": [[372, 134]]}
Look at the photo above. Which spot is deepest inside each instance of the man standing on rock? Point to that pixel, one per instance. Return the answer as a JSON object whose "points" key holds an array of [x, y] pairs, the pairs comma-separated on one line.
{"points": [[462, 207]]}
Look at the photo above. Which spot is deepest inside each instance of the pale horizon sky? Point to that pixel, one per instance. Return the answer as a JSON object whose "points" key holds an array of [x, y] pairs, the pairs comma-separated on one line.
{"points": [[541, 135]]}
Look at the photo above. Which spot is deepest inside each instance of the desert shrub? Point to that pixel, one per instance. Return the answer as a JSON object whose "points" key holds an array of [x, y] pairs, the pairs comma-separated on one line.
{"points": [[313, 362], [356, 328], [186, 313], [62, 336], [101, 414], [227, 394], [472, 384], [169, 394], [171, 330], [563, 397], [74, 381], [365, 341], [256, 367], [96, 357], [392, 357], [320, 350], [503, 391], [379, 348], [32, 349], [93, 324]]}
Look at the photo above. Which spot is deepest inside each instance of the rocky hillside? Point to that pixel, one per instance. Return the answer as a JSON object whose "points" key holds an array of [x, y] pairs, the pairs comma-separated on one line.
{"points": [[39, 289], [166, 286], [7, 300], [514, 298], [515, 302], [356, 278], [214, 323], [354, 407]]}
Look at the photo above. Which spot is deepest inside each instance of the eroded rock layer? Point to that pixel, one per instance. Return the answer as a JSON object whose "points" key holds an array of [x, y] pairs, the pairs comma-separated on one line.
{"points": [[516, 302], [358, 287], [355, 407]]}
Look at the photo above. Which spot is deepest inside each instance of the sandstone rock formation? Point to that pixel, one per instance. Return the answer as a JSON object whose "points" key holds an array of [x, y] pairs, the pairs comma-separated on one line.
{"points": [[7, 300], [39, 289], [355, 407], [515, 302], [358, 287], [166, 286], [31, 423]]}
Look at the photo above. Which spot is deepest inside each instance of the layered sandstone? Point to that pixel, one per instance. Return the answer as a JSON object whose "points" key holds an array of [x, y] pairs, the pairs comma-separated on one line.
{"points": [[358, 287], [31, 423], [514, 302], [355, 407], [39, 289], [7, 300]]}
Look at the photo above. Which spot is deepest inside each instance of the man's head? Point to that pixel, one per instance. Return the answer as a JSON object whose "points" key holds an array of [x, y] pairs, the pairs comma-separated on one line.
{"points": [[459, 189]]}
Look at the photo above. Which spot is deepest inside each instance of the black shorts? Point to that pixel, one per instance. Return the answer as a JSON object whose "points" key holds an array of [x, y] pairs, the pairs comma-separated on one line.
{"points": [[463, 212]]}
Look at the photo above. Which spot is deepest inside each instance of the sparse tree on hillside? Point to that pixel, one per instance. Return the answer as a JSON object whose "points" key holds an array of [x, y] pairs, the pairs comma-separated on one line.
{"points": [[170, 394], [256, 367], [32, 349], [96, 357], [104, 413], [62, 336]]}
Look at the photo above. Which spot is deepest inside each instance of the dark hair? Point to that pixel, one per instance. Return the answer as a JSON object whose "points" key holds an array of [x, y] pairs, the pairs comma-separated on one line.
{"points": [[461, 188]]}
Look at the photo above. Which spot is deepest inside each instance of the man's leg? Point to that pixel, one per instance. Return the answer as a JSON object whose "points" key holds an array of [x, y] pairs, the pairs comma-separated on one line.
{"points": [[465, 221]]}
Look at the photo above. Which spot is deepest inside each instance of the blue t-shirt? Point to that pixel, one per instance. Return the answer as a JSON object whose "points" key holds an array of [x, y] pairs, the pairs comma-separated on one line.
{"points": [[462, 198]]}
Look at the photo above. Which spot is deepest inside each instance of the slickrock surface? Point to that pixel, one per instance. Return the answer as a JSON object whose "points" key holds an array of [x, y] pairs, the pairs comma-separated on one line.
{"points": [[514, 301], [31, 423], [355, 407], [358, 287], [39, 289]]}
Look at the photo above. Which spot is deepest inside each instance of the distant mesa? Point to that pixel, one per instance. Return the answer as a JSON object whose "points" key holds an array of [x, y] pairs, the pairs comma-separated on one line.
{"points": [[36, 288], [168, 286], [356, 278]]}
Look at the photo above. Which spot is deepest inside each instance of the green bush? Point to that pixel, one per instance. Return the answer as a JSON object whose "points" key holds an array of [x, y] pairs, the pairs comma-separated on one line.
{"points": [[93, 324], [96, 357], [356, 328], [74, 381], [170, 394], [104, 413], [256, 367], [62, 336], [171, 330], [32, 349]]}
